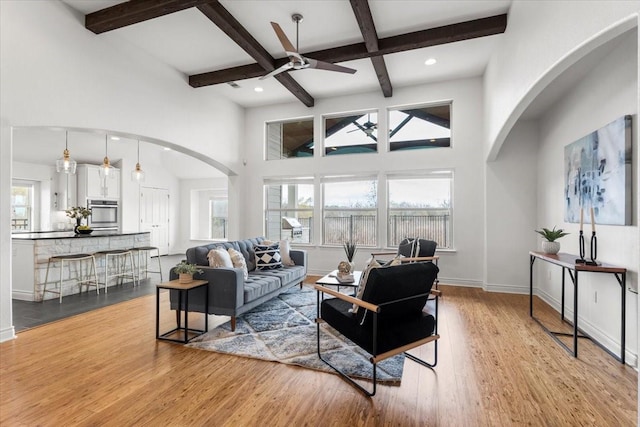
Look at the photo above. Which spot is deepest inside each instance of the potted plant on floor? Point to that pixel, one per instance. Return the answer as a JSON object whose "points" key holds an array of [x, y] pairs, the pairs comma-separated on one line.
{"points": [[186, 271], [549, 245]]}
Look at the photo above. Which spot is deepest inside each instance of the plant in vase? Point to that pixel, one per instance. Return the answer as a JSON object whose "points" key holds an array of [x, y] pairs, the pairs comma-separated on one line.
{"points": [[79, 213], [549, 245], [350, 249], [186, 271]]}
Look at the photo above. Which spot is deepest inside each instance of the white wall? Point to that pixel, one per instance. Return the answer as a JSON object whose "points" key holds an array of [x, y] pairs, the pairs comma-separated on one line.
{"points": [[56, 73], [609, 91], [465, 264], [511, 211], [542, 39]]}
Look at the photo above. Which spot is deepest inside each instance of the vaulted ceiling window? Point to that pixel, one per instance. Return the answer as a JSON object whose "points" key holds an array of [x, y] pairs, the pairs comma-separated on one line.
{"points": [[352, 133], [290, 138], [419, 127]]}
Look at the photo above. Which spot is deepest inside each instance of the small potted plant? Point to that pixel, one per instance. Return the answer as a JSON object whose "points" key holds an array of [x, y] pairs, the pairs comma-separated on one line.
{"points": [[186, 271], [549, 245], [350, 249]]}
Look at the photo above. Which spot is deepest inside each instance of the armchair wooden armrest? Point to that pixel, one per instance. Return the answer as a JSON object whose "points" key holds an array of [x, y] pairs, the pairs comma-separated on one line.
{"points": [[348, 298], [383, 253]]}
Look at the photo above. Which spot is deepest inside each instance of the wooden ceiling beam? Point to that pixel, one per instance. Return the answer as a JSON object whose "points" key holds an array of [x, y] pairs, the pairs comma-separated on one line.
{"points": [[368, 29], [133, 12], [416, 40], [236, 32]]}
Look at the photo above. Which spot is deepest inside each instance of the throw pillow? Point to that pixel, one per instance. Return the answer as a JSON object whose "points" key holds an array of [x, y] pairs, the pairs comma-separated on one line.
{"points": [[268, 256], [373, 263], [239, 262], [284, 253], [219, 257]]}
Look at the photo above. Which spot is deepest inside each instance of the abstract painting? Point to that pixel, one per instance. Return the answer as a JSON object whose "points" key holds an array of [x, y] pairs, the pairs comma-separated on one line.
{"points": [[598, 175]]}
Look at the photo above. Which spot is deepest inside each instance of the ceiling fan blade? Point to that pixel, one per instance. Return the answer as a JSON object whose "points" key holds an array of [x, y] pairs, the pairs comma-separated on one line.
{"points": [[321, 65], [286, 44], [285, 67]]}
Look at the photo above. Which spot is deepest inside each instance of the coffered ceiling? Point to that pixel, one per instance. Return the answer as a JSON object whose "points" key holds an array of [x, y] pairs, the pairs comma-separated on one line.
{"points": [[214, 43]]}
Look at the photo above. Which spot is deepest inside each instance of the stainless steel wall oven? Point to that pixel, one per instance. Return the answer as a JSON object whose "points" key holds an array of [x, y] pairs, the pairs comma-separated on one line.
{"points": [[104, 214]]}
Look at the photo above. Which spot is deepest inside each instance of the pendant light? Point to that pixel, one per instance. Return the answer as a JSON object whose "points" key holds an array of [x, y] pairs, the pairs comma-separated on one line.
{"points": [[105, 169], [66, 164], [138, 174]]}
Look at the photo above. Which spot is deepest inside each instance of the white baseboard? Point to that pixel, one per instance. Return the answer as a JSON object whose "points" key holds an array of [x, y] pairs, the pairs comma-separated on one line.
{"points": [[7, 334], [466, 283], [506, 289], [22, 295]]}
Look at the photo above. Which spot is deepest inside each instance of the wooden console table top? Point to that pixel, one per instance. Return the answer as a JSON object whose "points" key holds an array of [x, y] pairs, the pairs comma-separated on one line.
{"points": [[569, 261]]}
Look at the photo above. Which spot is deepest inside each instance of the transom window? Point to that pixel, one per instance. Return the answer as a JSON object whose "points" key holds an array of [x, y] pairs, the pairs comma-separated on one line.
{"points": [[352, 133], [420, 127], [291, 138], [420, 206]]}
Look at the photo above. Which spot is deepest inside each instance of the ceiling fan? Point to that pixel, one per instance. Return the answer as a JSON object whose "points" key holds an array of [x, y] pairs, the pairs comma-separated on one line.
{"points": [[367, 127], [297, 61]]}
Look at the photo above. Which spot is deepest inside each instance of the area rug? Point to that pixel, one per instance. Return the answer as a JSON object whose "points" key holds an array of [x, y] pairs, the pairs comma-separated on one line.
{"points": [[283, 330]]}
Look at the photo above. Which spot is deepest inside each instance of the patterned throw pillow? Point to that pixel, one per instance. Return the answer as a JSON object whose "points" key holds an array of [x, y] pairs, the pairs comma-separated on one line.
{"points": [[239, 262], [268, 256], [373, 263], [219, 257], [409, 247]]}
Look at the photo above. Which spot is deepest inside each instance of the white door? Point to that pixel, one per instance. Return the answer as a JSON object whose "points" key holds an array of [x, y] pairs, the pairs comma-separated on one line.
{"points": [[154, 216]]}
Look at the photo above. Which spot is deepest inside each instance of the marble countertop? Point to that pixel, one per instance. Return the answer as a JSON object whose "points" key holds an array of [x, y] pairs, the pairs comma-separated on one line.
{"points": [[42, 235]]}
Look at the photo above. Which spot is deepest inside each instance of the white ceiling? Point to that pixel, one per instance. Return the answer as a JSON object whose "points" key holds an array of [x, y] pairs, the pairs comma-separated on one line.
{"points": [[192, 44]]}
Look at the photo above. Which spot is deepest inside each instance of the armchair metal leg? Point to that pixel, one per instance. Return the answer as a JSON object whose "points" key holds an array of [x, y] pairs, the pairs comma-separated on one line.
{"points": [[424, 362], [344, 375]]}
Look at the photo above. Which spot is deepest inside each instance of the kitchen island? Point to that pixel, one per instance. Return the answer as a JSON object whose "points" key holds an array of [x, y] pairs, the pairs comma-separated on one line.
{"points": [[31, 252]]}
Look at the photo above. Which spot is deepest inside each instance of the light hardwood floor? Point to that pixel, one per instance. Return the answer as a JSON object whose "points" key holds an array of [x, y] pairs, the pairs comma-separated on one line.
{"points": [[496, 368]]}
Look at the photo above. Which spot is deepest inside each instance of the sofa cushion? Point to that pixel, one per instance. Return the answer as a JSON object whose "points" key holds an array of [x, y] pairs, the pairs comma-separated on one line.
{"points": [[239, 262], [257, 286], [268, 256], [295, 273], [219, 258], [246, 249], [285, 248]]}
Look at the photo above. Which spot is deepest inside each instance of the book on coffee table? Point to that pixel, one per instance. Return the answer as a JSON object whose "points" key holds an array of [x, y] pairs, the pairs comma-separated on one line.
{"points": [[345, 278]]}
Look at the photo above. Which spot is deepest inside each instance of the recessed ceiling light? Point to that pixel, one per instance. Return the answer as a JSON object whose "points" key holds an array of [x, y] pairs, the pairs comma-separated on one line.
{"points": [[430, 61], [115, 138], [167, 149], [258, 89]]}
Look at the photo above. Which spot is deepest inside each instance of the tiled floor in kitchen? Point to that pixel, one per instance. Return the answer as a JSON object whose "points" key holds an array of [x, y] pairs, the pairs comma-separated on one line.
{"points": [[28, 314]]}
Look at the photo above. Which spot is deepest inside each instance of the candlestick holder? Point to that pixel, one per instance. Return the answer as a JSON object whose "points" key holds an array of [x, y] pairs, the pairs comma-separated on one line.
{"points": [[593, 249], [581, 260]]}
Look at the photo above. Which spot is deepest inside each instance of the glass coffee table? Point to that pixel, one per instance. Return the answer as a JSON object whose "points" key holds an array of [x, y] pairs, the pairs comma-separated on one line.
{"points": [[331, 279]]}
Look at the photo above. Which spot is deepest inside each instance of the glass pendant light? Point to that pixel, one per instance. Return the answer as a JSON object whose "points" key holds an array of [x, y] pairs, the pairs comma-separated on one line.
{"points": [[66, 164], [105, 168], [138, 174]]}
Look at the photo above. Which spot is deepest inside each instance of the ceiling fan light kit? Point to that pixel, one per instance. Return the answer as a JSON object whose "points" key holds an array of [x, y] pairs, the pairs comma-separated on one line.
{"points": [[296, 60]]}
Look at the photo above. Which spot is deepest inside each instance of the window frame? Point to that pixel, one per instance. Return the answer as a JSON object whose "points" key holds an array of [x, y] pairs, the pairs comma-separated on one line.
{"points": [[266, 145], [390, 143], [302, 180], [449, 173], [368, 112]]}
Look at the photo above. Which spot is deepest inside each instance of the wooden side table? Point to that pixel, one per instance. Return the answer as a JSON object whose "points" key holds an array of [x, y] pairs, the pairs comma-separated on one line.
{"points": [[183, 291]]}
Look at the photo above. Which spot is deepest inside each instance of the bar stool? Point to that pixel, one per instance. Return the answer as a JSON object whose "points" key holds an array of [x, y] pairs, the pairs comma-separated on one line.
{"points": [[79, 278], [145, 251], [120, 257]]}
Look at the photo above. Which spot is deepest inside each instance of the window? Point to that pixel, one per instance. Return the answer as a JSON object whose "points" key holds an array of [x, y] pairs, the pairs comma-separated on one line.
{"points": [[355, 133], [420, 127], [22, 206], [209, 214], [350, 210], [291, 138], [289, 209], [420, 206]]}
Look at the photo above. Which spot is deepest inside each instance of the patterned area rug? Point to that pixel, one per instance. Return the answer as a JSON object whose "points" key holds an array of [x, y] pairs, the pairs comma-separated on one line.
{"points": [[283, 330]]}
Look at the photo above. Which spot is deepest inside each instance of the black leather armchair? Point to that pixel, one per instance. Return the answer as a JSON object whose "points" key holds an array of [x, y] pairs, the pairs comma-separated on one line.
{"points": [[391, 316]]}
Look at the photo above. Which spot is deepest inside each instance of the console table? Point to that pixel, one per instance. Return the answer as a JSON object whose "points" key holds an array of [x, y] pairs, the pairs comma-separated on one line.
{"points": [[568, 264]]}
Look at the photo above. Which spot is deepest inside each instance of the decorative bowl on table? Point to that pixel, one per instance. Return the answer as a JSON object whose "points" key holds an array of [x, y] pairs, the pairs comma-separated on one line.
{"points": [[84, 230]]}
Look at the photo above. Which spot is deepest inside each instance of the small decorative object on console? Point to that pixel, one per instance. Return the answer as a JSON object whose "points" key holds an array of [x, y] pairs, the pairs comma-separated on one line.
{"points": [[549, 245], [79, 213]]}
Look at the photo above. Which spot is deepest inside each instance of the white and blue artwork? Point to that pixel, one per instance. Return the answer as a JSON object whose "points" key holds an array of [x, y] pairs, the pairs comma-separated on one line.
{"points": [[598, 175]]}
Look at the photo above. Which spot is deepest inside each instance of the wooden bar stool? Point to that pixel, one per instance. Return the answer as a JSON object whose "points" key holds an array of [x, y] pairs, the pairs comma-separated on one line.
{"points": [[120, 258], [80, 278], [145, 251]]}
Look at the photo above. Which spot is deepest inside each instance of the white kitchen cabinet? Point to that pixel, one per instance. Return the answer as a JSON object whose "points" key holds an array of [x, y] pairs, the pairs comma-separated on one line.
{"points": [[92, 186]]}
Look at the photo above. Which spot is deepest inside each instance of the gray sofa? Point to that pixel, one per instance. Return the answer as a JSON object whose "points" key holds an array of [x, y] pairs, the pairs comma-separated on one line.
{"points": [[229, 293]]}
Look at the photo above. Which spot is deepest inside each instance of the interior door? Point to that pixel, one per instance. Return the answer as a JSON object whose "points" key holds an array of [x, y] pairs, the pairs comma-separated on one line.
{"points": [[154, 216]]}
